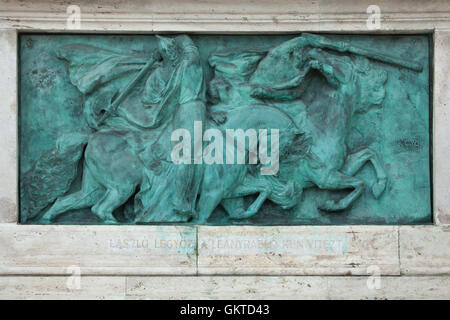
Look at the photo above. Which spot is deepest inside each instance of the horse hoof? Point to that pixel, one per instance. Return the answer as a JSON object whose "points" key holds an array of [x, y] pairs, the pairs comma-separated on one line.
{"points": [[183, 209], [200, 221], [47, 218], [378, 188], [242, 222], [238, 214], [250, 213], [185, 212], [330, 206], [245, 214]]}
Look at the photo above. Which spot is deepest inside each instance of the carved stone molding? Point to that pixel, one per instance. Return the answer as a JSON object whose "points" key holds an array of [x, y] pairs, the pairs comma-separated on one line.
{"points": [[230, 16]]}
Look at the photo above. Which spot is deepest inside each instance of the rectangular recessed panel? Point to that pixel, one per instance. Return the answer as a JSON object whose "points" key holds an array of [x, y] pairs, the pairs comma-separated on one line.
{"points": [[225, 129]]}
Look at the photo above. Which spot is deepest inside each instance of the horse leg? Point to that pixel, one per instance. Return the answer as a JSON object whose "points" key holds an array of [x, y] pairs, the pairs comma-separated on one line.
{"points": [[234, 206], [251, 186], [113, 199], [209, 200], [356, 161], [89, 194], [335, 180]]}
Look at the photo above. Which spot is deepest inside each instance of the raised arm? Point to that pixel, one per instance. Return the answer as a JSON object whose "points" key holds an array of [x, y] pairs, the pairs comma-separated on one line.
{"points": [[285, 67], [281, 74], [336, 70]]}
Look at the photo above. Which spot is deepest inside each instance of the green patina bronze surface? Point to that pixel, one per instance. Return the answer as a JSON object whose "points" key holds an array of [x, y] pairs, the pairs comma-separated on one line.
{"points": [[97, 113]]}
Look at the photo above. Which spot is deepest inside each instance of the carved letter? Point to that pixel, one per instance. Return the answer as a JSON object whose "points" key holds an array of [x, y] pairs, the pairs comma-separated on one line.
{"points": [[184, 146], [216, 147], [273, 160]]}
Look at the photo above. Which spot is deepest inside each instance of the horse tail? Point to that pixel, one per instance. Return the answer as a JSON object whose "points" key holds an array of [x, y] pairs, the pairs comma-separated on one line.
{"points": [[52, 174]]}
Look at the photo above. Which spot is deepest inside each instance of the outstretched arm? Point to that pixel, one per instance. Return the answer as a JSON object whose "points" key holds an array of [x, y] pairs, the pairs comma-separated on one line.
{"points": [[335, 69], [292, 61], [321, 42]]}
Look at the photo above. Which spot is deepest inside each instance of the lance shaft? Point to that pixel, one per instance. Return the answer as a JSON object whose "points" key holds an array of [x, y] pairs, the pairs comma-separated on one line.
{"points": [[342, 46]]}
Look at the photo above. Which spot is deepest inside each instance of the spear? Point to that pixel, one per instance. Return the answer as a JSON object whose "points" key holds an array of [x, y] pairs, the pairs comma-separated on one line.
{"points": [[342, 46]]}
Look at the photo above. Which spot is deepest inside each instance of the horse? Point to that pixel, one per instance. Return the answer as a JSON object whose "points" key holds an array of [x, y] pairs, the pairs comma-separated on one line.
{"points": [[227, 184], [113, 171]]}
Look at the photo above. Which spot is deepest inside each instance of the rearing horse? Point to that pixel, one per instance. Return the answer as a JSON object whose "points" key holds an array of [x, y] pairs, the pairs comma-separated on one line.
{"points": [[347, 86]]}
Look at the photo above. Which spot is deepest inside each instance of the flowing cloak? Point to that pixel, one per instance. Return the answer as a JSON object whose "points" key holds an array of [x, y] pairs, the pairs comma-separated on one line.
{"points": [[185, 83], [100, 74], [91, 67]]}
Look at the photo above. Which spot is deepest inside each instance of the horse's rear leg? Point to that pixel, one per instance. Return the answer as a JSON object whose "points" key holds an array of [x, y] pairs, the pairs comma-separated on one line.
{"points": [[112, 199], [251, 186], [335, 180], [89, 194], [356, 161], [208, 201]]}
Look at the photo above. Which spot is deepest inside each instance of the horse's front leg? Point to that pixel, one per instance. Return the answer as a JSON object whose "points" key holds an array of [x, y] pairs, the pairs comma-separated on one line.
{"points": [[235, 207], [356, 161], [335, 180], [113, 198]]}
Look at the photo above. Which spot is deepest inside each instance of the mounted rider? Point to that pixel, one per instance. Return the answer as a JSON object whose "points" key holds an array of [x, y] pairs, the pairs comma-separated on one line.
{"points": [[177, 88]]}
